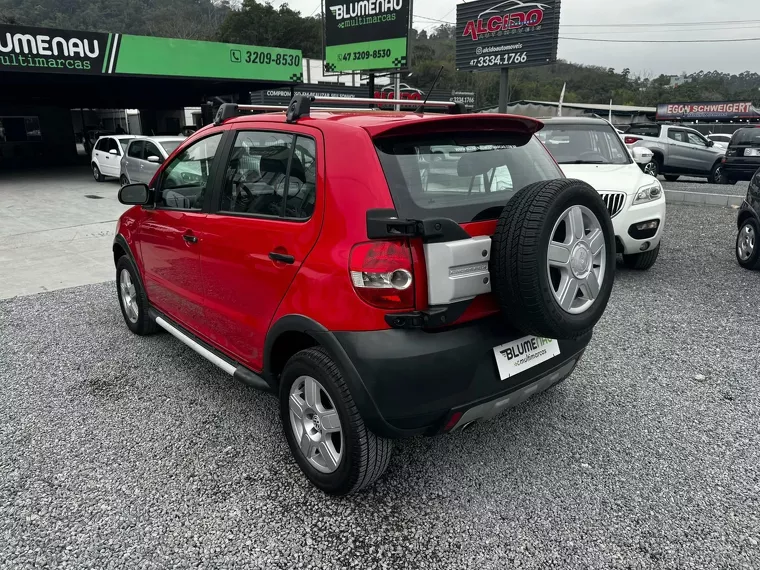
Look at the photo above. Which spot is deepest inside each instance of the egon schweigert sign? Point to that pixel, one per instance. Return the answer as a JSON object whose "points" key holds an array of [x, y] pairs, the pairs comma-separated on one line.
{"points": [[44, 50], [492, 34], [366, 35], [707, 111]]}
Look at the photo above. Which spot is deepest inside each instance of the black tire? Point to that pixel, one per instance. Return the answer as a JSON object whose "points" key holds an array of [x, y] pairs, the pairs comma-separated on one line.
{"points": [[519, 259], [716, 174], [123, 180], [143, 325], [642, 261], [96, 173], [753, 262], [672, 177], [365, 456]]}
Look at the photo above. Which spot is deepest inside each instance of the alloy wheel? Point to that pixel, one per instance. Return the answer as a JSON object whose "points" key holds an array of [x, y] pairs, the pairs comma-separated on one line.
{"points": [[128, 296], [650, 168], [745, 245], [316, 424], [95, 172], [576, 259]]}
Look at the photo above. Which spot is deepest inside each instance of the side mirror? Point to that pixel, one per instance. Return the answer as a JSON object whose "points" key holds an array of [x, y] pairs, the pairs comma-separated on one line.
{"points": [[642, 155], [134, 194], [710, 143], [154, 158], [114, 152]]}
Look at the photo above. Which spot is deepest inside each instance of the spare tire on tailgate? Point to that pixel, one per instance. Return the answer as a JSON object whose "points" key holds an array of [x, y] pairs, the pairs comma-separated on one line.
{"points": [[553, 259]]}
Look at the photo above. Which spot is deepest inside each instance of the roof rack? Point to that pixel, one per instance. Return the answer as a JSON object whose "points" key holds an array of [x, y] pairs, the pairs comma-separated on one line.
{"points": [[300, 106]]}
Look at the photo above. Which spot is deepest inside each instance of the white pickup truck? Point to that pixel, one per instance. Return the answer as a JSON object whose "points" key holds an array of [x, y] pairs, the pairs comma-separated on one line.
{"points": [[678, 151]]}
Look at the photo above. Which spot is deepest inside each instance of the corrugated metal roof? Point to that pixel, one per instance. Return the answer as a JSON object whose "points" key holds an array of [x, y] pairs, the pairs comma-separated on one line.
{"points": [[586, 106]]}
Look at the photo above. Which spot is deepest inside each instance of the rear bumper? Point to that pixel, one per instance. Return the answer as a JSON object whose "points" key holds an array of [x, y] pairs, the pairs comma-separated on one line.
{"points": [[740, 169], [410, 382]]}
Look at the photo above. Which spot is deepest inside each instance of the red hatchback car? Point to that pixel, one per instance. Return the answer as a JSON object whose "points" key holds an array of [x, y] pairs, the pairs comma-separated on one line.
{"points": [[386, 274]]}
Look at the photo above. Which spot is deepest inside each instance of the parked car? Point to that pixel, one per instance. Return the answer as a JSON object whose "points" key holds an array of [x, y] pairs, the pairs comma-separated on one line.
{"points": [[720, 139], [107, 155], [591, 150], [747, 246], [379, 293], [678, 151], [143, 157], [743, 155]]}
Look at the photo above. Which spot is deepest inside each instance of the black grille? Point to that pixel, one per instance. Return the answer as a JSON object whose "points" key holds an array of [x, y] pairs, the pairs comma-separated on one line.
{"points": [[614, 202]]}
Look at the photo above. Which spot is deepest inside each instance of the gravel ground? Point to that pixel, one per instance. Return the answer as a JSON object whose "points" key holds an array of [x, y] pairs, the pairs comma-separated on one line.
{"points": [[686, 184], [121, 452]]}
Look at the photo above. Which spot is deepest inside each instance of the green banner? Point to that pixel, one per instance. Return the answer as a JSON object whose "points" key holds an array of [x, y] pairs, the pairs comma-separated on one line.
{"points": [[142, 55], [384, 54]]}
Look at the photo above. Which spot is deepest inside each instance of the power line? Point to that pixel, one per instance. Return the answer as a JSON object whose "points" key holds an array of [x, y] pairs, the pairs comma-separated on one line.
{"points": [[659, 41], [659, 24]]}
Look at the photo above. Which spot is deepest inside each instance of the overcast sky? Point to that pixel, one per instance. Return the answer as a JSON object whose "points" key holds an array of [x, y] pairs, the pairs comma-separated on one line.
{"points": [[639, 57]]}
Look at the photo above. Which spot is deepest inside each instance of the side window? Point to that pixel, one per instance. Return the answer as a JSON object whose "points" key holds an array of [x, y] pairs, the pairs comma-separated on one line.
{"points": [[136, 149], [152, 150], [694, 138], [102, 145], [256, 174], [676, 135], [302, 180], [183, 182]]}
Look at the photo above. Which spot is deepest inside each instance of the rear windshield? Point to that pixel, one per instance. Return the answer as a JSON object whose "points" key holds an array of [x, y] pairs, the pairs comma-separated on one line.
{"points": [[749, 137], [461, 176], [584, 144], [644, 130]]}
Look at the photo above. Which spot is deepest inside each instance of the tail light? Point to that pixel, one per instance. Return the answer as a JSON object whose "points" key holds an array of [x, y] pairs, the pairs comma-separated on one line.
{"points": [[382, 274], [731, 152], [631, 140]]}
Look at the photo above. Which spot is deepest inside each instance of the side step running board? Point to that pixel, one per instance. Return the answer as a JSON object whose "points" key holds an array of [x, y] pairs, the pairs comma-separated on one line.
{"points": [[240, 373]]}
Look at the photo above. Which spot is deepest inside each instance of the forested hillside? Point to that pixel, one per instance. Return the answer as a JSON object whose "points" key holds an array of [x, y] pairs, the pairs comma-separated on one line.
{"points": [[259, 23]]}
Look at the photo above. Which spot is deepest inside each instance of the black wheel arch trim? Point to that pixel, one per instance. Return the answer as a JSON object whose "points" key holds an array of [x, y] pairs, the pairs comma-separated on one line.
{"points": [[746, 211], [327, 340], [122, 243]]}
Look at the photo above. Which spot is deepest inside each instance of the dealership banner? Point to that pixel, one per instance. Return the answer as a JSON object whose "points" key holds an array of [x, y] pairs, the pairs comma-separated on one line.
{"points": [[43, 50], [366, 35], [492, 34], [347, 92], [707, 111]]}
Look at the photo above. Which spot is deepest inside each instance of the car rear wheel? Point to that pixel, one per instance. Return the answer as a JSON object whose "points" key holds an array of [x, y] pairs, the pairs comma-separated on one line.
{"points": [[716, 174], [672, 177], [96, 173], [553, 259], [123, 180], [653, 167], [132, 299], [642, 261], [325, 432], [747, 250]]}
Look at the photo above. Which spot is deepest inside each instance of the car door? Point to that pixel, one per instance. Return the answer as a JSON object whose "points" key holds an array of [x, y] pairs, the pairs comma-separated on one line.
{"points": [[267, 220], [678, 151], [99, 151], [172, 235], [702, 157], [132, 161], [111, 158], [152, 159]]}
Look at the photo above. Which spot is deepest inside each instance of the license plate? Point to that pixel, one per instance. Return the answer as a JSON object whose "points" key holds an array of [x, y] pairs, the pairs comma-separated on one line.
{"points": [[752, 152], [519, 355]]}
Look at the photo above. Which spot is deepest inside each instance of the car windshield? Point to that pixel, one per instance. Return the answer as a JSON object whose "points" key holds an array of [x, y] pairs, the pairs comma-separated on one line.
{"points": [[584, 144], [170, 146], [462, 176]]}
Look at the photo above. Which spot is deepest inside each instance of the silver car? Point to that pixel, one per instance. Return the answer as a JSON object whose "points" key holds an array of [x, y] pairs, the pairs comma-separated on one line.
{"points": [[143, 157]]}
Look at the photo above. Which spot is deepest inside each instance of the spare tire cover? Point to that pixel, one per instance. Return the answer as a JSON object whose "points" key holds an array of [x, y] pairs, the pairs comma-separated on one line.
{"points": [[553, 259]]}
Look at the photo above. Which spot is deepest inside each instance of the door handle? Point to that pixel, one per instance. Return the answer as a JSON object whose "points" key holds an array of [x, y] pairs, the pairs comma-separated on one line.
{"points": [[190, 238], [282, 257]]}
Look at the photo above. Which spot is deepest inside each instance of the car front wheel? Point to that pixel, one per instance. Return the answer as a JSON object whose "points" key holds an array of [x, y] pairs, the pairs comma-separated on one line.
{"points": [[96, 173], [325, 432], [642, 261], [747, 252], [132, 298]]}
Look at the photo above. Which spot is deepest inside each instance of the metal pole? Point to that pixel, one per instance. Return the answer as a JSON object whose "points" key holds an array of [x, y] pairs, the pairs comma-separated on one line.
{"points": [[503, 89], [371, 83], [397, 90]]}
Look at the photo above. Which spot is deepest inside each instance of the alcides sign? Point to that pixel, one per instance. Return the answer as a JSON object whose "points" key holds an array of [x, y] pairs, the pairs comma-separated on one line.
{"points": [[366, 35], [707, 111], [512, 33], [42, 50]]}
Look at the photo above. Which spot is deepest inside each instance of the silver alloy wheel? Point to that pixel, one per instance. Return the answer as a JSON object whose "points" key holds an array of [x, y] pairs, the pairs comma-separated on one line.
{"points": [[650, 168], [577, 259], [718, 176], [95, 172], [746, 243], [128, 296], [316, 424]]}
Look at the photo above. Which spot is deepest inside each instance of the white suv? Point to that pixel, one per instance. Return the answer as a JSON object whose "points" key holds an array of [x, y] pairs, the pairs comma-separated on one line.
{"points": [[591, 150], [106, 156]]}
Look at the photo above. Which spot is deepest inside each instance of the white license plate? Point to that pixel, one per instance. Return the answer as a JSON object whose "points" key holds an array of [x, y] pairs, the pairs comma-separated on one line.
{"points": [[520, 355], [752, 152]]}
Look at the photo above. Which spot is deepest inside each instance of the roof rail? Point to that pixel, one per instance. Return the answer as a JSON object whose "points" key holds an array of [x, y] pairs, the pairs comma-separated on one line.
{"points": [[300, 106]]}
